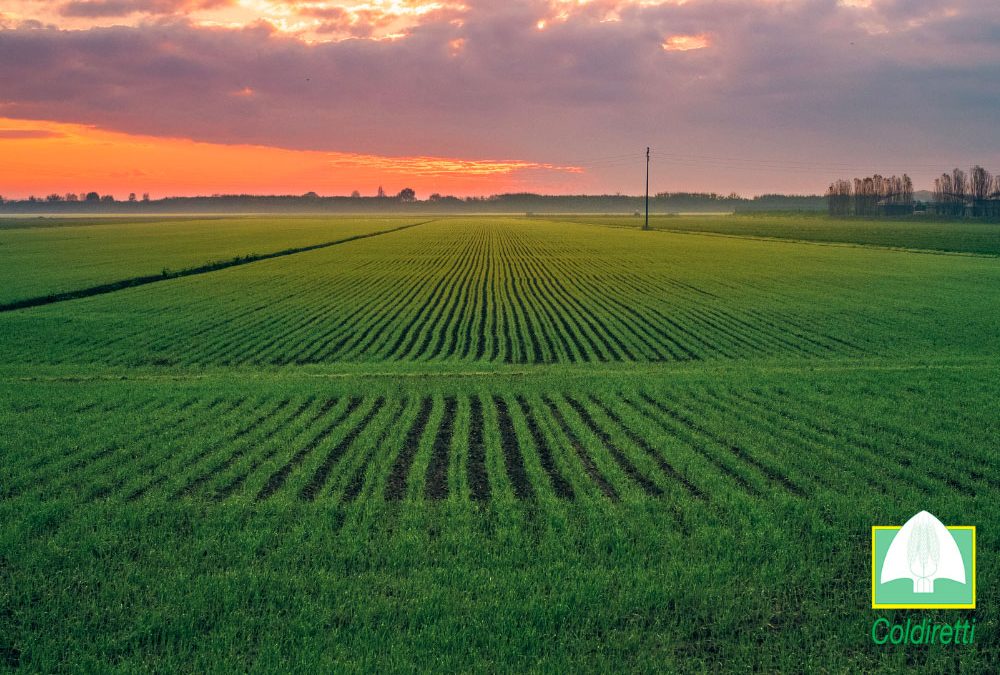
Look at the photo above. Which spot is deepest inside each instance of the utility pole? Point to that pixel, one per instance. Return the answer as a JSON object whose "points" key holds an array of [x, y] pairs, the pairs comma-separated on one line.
{"points": [[645, 225]]}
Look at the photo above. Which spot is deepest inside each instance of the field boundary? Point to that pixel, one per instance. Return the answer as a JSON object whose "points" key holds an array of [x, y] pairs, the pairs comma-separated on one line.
{"points": [[791, 240], [823, 242], [514, 374], [167, 275]]}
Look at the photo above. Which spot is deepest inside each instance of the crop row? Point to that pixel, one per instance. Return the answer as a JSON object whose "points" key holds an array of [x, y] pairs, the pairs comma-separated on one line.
{"points": [[705, 445]]}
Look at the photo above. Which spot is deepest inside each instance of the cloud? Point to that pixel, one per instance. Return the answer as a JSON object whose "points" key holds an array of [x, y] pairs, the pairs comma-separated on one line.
{"points": [[808, 87], [25, 134], [442, 166], [119, 8], [685, 43]]}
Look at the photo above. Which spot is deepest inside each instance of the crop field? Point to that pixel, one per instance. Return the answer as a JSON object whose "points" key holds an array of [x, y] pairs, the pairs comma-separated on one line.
{"points": [[484, 443], [918, 233], [43, 256]]}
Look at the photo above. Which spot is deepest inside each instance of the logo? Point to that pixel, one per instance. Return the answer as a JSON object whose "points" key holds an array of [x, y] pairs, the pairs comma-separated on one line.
{"points": [[923, 565]]}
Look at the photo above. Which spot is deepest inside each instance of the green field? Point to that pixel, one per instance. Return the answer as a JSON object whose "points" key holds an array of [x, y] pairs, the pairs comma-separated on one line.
{"points": [[43, 256], [915, 233], [488, 443]]}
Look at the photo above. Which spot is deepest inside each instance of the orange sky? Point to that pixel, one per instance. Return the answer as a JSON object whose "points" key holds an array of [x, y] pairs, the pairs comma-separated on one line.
{"points": [[78, 158], [195, 97]]}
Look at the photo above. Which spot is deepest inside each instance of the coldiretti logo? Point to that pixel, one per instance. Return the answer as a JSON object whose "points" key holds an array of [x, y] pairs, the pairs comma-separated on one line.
{"points": [[923, 565]]}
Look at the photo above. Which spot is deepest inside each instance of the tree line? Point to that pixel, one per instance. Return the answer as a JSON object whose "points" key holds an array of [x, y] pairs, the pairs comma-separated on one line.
{"points": [[870, 195], [406, 200], [976, 193], [82, 197], [958, 194]]}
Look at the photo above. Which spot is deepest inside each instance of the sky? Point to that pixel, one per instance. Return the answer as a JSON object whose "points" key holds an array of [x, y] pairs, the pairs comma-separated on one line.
{"points": [[475, 97]]}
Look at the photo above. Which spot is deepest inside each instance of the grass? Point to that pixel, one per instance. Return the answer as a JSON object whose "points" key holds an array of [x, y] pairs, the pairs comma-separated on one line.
{"points": [[917, 232], [495, 444]]}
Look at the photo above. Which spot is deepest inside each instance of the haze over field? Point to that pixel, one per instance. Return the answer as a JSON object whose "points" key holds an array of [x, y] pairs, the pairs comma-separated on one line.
{"points": [[180, 97]]}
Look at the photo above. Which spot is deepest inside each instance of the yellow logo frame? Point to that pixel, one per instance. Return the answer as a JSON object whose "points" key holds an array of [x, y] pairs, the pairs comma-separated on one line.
{"points": [[972, 605]]}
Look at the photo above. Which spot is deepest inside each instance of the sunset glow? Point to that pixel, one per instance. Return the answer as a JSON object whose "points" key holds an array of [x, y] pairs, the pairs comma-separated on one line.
{"points": [[75, 158], [685, 43]]}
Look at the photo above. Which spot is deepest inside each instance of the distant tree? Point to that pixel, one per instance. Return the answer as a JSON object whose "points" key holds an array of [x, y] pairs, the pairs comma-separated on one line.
{"points": [[959, 192], [355, 194], [145, 196], [93, 197], [839, 198], [435, 197], [994, 206], [131, 196], [866, 195], [310, 195], [892, 188], [980, 186], [937, 194], [980, 183], [71, 197], [381, 192], [907, 195], [54, 197], [943, 195], [959, 185], [407, 195], [107, 198]]}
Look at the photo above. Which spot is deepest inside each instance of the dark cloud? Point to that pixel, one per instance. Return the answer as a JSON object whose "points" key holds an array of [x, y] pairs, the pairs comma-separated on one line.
{"points": [[810, 81]]}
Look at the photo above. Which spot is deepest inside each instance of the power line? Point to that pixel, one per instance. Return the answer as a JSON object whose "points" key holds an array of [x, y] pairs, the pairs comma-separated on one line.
{"points": [[738, 162], [688, 159]]}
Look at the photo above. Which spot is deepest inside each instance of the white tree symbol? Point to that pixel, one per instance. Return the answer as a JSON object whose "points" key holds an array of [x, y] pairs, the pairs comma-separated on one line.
{"points": [[923, 550], [923, 554]]}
